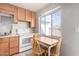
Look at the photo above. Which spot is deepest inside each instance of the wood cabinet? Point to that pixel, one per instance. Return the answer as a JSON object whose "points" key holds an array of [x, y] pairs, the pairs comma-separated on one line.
{"points": [[21, 14], [9, 45], [14, 51], [4, 46], [14, 42], [14, 45], [7, 7], [33, 21], [28, 15], [16, 14]]}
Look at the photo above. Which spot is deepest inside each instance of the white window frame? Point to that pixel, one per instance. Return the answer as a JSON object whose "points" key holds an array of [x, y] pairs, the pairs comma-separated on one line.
{"points": [[47, 13]]}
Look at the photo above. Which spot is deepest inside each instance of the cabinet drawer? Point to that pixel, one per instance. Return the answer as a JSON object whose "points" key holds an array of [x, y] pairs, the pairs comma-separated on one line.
{"points": [[14, 50]]}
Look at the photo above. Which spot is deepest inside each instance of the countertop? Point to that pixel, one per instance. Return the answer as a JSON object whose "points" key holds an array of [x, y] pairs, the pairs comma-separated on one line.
{"points": [[11, 35]]}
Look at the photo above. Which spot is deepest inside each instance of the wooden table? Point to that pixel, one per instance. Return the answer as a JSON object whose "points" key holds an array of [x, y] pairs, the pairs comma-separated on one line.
{"points": [[48, 42]]}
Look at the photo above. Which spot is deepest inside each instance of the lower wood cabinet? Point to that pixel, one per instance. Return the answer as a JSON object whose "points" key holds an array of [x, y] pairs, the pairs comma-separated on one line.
{"points": [[14, 41], [4, 49], [14, 50], [4, 52], [4, 46], [9, 46], [14, 45]]}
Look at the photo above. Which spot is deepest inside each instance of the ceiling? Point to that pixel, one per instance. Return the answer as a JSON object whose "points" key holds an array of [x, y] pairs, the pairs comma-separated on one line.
{"points": [[31, 6]]}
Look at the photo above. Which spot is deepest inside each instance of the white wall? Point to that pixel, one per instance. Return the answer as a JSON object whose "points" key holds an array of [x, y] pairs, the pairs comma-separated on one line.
{"points": [[70, 21]]}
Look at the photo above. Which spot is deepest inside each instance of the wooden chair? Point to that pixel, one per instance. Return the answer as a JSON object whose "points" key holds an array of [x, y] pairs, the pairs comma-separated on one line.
{"points": [[36, 49]]}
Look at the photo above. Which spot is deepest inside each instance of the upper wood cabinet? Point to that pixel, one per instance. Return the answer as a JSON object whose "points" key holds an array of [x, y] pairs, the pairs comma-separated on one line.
{"points": [[33, 21], [16, 14], [28, 15], [7, 7], [21, 14]]}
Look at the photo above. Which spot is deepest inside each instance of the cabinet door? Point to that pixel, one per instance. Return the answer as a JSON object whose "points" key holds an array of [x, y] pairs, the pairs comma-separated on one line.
{"points": [[4, 49], [14, 45], [14, 41], [28, 15], [21, 14], [7, 7], [33, 21], [16, 14], [14, 50], [4, 46]]}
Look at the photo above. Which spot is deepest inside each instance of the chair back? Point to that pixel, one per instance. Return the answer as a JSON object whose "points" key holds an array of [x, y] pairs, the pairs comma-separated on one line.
{"points": [[35, 43]]}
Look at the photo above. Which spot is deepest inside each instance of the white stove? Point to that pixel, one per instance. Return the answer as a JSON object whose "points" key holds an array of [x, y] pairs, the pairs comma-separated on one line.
{"points": [[25, 34], [25, 42]]}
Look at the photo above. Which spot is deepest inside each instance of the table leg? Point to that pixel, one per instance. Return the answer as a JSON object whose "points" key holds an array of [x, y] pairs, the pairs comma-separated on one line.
{"points": [[49, 51]]}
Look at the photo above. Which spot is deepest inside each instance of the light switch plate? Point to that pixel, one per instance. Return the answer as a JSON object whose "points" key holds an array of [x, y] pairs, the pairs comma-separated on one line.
{"points": [[77, 29]]}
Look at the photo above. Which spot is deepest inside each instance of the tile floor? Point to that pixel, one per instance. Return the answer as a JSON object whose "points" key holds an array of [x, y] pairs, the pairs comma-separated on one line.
{"points": [[25, 53]]}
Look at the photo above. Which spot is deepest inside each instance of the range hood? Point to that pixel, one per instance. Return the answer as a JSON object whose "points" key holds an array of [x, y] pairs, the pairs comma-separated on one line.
{"points": [[4, 14]]}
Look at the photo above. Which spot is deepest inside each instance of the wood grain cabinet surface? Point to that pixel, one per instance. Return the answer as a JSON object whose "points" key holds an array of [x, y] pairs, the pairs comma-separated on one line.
{"points": [[9, 46], [4, 46], [14, 50], [33, 22], [28, 15], [14, 45], [8, 7], [21, 14], [14, 41]]}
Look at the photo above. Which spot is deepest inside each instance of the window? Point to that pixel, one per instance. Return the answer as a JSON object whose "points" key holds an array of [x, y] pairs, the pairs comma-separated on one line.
{"points": [[56, 23], [42, 25], [50, 24]]}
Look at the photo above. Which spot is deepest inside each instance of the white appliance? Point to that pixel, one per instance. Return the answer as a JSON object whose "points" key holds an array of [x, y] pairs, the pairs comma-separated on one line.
{"points": [[25, 34], [24, 42]]}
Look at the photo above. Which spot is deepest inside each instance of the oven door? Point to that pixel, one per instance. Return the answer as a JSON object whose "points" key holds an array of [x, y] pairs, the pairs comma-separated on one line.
{"points": [[24, 41]]}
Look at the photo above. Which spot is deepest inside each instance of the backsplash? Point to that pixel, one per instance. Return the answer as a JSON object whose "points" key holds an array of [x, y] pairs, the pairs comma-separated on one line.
{"points": [[5, 24]]}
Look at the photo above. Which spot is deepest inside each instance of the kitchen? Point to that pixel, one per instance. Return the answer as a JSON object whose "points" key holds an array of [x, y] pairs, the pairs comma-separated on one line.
{"points": [[19, 25], [39, 29]]}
